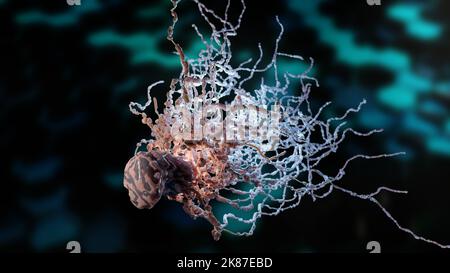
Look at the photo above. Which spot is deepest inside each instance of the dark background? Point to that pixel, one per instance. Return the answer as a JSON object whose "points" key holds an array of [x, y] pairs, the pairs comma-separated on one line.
{"points": [[69, 73]]}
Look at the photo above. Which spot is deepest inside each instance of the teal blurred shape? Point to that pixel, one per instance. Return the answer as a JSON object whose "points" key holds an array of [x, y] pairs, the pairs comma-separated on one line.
{"points": [[48, 203], [344, 42], [411, 15], [402, 93], [439, 145], [443, 88], [372, 117], [153, 11], [418, 125], [11, 230], [106, 233], [397, 97], [447, 126], [38, 171], [113, 180], [141, 46], [54, 231], [394, 146], [433, 107]]}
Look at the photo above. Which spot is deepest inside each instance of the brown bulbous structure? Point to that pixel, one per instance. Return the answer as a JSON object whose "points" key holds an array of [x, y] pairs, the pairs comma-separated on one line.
{"points": [[150, 175]]}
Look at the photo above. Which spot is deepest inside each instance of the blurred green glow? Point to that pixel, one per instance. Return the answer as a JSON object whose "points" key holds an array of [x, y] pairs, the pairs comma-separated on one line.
{"points": [[411, 16], [69, 17]]}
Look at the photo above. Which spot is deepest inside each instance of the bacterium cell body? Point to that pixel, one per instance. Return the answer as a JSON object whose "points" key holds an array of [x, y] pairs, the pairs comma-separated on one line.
{"points": [[217, 141]]}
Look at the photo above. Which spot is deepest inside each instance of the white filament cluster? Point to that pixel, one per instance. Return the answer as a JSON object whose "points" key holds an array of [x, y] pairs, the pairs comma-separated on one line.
{"points": [[264, 175]]}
